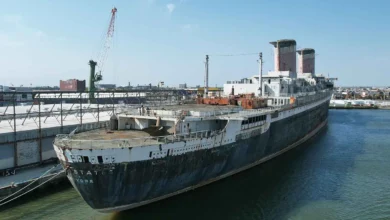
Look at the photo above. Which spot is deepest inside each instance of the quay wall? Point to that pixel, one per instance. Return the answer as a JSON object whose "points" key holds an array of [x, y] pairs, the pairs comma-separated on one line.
{"points": [[30, 147]]}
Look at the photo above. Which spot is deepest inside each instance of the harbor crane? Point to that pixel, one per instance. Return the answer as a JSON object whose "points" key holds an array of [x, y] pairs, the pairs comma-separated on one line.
{"points": [[96, 76]]}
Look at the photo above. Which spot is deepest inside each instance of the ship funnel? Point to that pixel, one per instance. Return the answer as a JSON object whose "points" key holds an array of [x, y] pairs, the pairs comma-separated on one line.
{"points": [[306, 60], [285, 57]]}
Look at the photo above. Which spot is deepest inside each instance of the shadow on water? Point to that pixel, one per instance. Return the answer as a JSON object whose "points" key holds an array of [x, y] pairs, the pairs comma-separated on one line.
{"points": [[39, 193], [313, 171]]}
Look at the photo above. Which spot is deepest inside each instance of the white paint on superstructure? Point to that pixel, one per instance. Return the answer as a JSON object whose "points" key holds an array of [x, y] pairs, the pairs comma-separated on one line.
{"points": [[288, 113], [82, 151]]}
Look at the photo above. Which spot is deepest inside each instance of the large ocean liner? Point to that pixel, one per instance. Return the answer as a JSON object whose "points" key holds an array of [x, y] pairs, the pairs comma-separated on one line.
{"points": [[152, 153]]}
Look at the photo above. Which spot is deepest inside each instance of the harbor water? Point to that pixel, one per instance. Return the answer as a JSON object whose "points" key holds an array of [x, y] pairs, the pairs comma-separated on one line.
{"points": [[342, 173]]}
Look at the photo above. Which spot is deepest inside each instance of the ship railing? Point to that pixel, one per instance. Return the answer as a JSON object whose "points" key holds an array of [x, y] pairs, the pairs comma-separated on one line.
{"points": [[188, 136], [174, 114], [305, 100], [302, 99], [215, 113], [67, 141], [257, 111]]}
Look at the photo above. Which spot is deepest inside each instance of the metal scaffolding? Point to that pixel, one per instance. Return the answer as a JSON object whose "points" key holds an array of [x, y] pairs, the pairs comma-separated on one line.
{"points": [[23, 111]]}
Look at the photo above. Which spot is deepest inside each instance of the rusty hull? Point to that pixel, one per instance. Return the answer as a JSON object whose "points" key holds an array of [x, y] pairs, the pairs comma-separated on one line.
{"points": [[127, 185]]}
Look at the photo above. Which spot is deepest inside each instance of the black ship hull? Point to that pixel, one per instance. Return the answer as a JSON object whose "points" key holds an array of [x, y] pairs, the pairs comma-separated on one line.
{"points": [[122, 186]]}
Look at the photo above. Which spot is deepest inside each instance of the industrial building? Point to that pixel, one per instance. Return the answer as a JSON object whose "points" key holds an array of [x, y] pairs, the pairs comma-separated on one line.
{"points": [[23, 95], [212, 91], [106, 86], [183, 86], [72, 85]]}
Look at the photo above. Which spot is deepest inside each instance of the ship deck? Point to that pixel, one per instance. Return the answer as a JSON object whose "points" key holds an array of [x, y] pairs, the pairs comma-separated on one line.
{"points": [[103, 134], [102, 138], [173, 111], [196, 107]]}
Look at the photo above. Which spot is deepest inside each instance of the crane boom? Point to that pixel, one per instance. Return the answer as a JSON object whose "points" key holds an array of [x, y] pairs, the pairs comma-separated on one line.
{"points": [[97, 76], [107, 44]]}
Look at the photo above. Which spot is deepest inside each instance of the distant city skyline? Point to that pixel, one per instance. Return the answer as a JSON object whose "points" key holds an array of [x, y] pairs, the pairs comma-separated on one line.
{"points": [[157, 40]]}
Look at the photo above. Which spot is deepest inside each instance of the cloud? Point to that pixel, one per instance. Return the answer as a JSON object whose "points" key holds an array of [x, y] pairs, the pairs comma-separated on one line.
{"points": [[19, 29], [7, 41], [189, 27], [12, 19], [61, 39], [171, 8], [39, 34]]}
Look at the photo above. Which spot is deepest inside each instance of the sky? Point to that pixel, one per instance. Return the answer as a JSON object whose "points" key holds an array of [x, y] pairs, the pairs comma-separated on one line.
{"points": [[42, 41]]}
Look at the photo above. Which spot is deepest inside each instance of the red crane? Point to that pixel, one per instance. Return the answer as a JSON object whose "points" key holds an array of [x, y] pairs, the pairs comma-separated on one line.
{"points": [[97, 76]]}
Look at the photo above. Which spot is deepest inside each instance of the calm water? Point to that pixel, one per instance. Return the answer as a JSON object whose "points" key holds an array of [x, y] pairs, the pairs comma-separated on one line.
{"points": [[343, 173]]}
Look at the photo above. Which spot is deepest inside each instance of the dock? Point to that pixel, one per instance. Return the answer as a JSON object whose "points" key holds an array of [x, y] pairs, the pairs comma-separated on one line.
{"points": [[29, 122], [359, 104]]}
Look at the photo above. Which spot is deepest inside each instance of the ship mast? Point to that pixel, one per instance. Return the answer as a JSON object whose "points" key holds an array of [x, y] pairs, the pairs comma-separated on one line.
{"points": [[260, 61], [206, 78]]}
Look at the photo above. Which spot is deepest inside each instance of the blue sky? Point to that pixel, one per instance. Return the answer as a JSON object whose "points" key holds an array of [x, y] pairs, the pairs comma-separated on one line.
{"points": [[42, 42]]}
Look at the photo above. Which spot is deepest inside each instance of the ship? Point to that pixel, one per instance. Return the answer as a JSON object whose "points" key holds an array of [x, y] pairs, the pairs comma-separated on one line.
{"points": [[151, 153]]}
